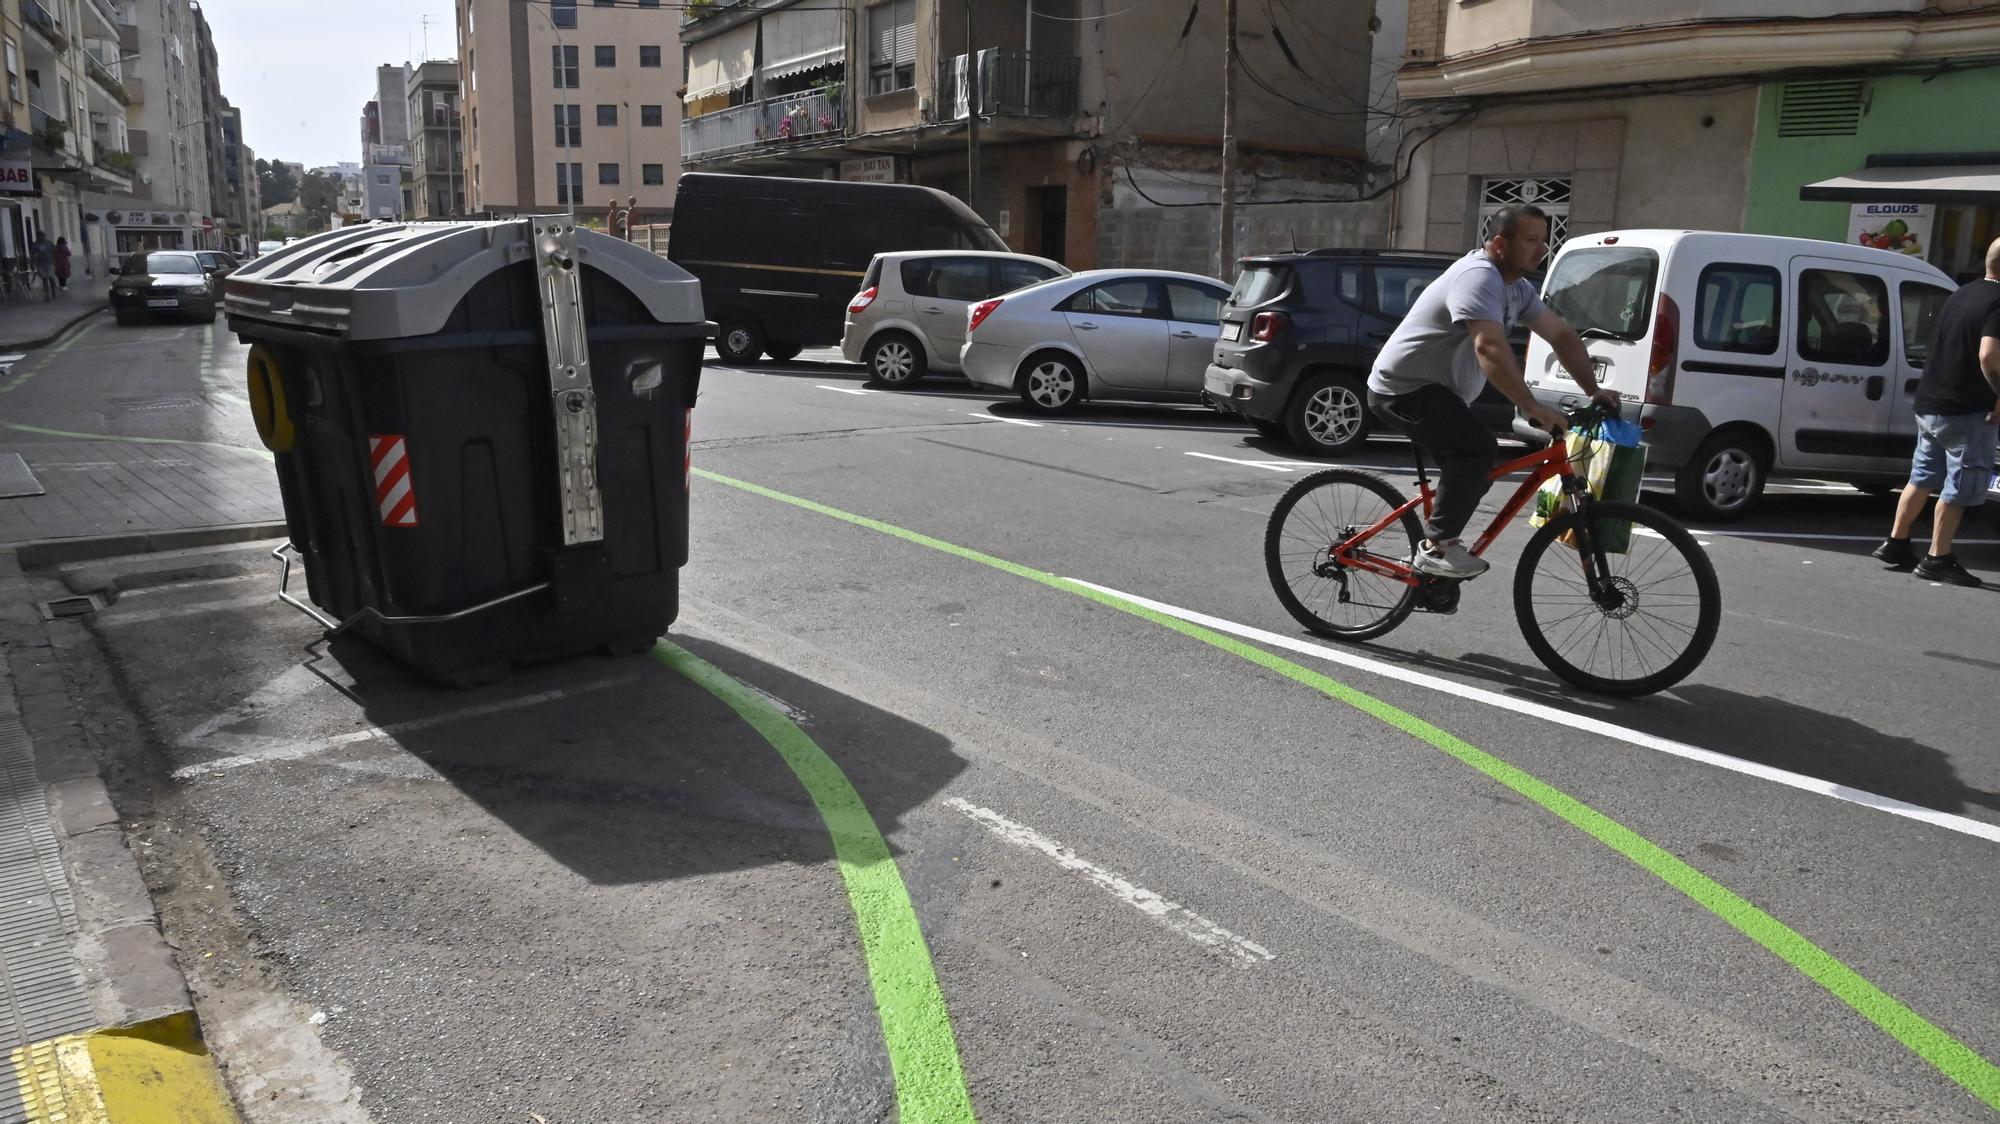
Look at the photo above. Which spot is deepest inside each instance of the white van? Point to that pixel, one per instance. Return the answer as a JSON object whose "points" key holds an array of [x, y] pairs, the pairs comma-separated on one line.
{"points": [[1749, 354]]}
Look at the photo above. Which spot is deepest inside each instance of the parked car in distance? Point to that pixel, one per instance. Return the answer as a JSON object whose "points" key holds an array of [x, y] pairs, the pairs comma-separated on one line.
{"points": [[268, 246], [1142, 335], [163, 281], [778, 258], [909, 318], [217, 263], [1749, 355], [1301, 332]]}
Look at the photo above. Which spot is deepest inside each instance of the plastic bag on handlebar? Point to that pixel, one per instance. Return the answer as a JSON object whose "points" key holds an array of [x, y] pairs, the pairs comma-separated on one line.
{"points": [[1612, 472]]}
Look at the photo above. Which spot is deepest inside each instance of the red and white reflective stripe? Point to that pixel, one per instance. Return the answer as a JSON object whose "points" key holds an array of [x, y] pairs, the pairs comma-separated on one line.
{"points": [[687, 451], [395, 497]]}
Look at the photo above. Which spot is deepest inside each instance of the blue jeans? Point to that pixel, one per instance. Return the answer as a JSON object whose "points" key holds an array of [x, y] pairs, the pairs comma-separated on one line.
{"points": [[1955, 455]]}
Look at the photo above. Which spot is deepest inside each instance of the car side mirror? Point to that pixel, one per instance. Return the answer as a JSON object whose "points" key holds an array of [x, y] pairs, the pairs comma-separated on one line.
{"points": [[112, 270]]}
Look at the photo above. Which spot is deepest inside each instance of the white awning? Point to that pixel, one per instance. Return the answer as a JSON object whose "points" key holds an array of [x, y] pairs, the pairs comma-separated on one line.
{"points": [[722, 63], [1918, 183], [798, 39]]}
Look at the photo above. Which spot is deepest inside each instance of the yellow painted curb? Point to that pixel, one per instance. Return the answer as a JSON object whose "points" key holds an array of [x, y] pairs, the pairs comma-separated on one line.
{"points": [[157, 1072]]}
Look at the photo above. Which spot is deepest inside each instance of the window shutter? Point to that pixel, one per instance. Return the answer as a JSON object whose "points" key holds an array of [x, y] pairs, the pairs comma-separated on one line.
{"points": [[892, 33]]}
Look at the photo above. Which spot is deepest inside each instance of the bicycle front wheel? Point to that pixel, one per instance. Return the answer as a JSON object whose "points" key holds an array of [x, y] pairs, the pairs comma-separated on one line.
{"points": [[1653, 619], [1319, 513]]}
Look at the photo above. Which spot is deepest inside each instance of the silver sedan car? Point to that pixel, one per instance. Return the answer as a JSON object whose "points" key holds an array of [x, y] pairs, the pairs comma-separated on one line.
{"points": [[1142, 335]]}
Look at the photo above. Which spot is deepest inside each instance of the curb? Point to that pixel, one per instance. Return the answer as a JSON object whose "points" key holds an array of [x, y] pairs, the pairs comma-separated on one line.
{"points": [[153, 1071], [42, 553], [44, 341]]}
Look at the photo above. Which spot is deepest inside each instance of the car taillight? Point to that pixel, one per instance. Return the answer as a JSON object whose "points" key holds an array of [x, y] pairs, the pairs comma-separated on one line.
{"points": [[1265, 326], [862, 299], [979, 313], [1666, 353]]}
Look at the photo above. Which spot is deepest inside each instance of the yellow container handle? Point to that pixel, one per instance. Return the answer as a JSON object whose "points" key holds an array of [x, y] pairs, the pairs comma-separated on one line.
{"points": [[267, 402]]}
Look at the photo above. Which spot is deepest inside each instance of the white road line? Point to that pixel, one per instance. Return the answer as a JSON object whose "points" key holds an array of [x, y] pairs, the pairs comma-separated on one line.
{"points": [[1267, 466], [1832, 538], [998, 418], [207, 735], [1573, 720], [1173, 915], [842, 389]]}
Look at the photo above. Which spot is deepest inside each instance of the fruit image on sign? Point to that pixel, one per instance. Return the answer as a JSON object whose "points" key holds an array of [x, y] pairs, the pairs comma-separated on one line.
{"points": [[1902, 228]]}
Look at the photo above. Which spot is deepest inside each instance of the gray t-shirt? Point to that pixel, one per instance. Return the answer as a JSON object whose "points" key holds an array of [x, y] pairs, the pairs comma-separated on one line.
{"points": [[1432, 345]]}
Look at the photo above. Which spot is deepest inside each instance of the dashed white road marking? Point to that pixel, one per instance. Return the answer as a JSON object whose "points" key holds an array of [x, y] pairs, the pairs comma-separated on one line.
{"points": [[1173, 915], [998, 418], [843, 389], [1570, 719]]}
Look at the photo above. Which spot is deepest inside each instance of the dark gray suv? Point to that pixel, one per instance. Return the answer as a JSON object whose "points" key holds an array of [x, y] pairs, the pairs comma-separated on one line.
{"points": [[1300, 333]]}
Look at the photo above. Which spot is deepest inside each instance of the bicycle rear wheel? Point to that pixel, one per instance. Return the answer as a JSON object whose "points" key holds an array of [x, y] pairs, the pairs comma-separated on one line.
{"points": [[1652, 625], [1318, 513]]}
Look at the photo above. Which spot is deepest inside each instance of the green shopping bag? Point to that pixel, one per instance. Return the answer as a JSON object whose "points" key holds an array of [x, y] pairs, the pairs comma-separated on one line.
{"points": [[1612, 471]]}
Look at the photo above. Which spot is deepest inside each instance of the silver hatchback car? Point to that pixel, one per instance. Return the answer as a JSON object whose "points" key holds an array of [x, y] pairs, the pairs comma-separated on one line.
{"points": [[908, 320]]}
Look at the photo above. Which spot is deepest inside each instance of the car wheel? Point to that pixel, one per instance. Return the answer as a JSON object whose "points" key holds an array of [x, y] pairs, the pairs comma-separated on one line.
{"points": [[1268, 427], [1051, 383], [1328, 414], [783, 352], [1724, 477], [738, 340], [894, 359]]}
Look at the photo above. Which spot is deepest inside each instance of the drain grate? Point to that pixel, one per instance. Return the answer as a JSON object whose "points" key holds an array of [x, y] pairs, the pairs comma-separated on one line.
{"points": [[63, 608]]}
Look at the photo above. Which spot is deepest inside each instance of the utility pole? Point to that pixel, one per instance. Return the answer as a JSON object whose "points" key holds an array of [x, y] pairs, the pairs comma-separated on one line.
{"points": [[1227, 269], [971, 115]]}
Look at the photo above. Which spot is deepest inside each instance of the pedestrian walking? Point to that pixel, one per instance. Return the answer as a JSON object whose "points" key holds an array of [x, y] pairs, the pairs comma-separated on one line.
{"points": [[1958, 428], [44, 252], [62, 264]]}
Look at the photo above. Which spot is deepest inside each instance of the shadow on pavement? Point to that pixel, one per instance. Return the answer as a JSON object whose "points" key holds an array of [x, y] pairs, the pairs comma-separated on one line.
{"points": [[1749, 727], [656, 778]]}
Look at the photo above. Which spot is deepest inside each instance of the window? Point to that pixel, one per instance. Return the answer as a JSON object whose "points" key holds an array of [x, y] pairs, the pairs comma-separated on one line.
{"points": [[653, 174], [1842, 318], [1610, 289], [606, 56], [1737, 309], [1116, 298], [569, 73], [607, 3], [1016, 274], [1921, 303], [649, 3], [649, 116], [382, 178], [1259, 284], [892, 46], [13, 71], [607, 115], [569, 126], [649, 56], [1398, 286], [951, 279], [562, 12], [569, 183], [1550, 193], [607, 173], [1350, 284], [1194, 304]]}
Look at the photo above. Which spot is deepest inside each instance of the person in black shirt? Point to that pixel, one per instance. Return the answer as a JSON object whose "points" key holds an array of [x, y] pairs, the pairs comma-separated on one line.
{"points": [[1956, 427]]}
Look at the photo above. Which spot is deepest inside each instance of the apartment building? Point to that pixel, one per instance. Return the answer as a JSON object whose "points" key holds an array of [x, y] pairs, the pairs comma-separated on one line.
{"points": [[1772, 116], [385, 145], [1099, 139], [570, 104], [169, 201], [437, 154], [224, 225]]}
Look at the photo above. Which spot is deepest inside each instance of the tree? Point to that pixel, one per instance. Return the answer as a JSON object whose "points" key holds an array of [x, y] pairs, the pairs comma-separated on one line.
{"points": [[276, 182], [319, 195]]}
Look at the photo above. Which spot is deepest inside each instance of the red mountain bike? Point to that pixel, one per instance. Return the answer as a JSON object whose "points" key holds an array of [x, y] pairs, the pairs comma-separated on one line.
{"points": [[1616, 622]]}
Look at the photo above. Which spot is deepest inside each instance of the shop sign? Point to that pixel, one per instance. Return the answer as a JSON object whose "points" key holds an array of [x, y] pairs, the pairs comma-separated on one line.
{"points": [[871, 169], [1904, 228], [161, 218], [17, 177]]}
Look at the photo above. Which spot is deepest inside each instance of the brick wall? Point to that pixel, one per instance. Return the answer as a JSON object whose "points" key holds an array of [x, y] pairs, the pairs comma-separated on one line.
{"points": [[1425, 41]]}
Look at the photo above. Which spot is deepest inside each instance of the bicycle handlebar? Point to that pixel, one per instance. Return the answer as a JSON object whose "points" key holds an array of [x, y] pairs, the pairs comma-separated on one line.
{"points": [[1591, 413]]}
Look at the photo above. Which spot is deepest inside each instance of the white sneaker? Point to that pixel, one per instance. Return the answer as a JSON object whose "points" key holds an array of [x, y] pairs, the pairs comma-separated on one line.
{"points": [[1453, 561]]}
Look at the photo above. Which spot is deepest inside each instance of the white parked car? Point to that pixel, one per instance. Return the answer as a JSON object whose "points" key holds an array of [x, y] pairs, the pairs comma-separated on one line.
{"points": [[908, 320], [1143, 335]]}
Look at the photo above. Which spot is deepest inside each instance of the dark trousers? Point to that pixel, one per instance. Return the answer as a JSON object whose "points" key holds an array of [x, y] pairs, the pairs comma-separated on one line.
{"points": [[1440, 422]]}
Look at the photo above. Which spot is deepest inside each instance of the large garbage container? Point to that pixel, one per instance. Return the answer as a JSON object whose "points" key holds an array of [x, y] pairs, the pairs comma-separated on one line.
{"points": [[481, 432]]}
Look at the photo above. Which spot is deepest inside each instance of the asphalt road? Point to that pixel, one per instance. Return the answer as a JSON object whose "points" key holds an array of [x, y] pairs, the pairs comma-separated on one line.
{"points": [[1157, 878]]}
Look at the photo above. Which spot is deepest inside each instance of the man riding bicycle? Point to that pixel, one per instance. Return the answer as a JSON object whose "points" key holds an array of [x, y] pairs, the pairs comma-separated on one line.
{"points": [[1452, 342]]}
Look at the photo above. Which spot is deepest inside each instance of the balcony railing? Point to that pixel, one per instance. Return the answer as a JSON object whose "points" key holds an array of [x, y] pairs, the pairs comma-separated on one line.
{"points": [[42, 20], [1012, 83], [106, 79], [768, 124]]}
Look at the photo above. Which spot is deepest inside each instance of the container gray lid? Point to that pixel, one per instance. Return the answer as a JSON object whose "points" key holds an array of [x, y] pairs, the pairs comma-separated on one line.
{"points": [[402, 280]]}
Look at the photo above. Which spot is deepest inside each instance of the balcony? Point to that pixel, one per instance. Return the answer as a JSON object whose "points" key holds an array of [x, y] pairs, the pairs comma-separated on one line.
{"points": [[762, 126], [102, 75], [43, 21], [1012, 83]]}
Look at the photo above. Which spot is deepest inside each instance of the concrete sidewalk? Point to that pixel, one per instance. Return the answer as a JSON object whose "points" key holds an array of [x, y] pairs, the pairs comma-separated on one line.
{"points": [[30, 321]]}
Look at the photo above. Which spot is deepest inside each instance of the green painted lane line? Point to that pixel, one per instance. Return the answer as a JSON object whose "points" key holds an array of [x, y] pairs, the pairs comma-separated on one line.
{"points": [[916, 1027], [29, 368], [1977, 1074]]}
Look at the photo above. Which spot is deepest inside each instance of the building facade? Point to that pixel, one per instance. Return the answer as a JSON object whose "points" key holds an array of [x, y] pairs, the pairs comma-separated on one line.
{"points": [[570, 105], [171, 202], [1099, 141], [385, 146], [437, 154], [1771, 116]]}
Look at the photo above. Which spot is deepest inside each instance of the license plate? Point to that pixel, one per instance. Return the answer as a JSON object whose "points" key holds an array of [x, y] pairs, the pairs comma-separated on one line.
{"points": [[168, 302], [1232, 331]]}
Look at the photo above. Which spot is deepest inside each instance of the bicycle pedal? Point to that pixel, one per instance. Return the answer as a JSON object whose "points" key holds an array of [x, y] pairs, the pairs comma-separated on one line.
{"points": [[1438, 595]]}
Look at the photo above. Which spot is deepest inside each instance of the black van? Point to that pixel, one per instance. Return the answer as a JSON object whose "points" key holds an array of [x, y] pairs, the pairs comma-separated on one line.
{"points": [[779, 259]]}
